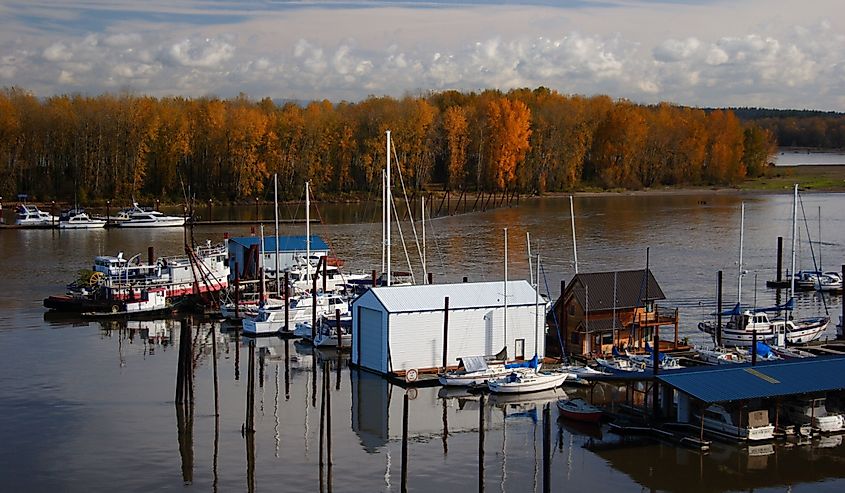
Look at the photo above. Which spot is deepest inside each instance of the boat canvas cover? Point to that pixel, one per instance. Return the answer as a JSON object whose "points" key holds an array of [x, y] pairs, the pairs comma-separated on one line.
{"points": [[758, 418], [474, 363]]}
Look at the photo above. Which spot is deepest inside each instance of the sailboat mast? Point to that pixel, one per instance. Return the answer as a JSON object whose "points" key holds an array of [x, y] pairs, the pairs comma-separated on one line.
{"points": [[536, 307], [505, 324], [276, 209], [307, 234], [574, 244], [383, 209], [741, 244], [422, 216], [387, 203], [794, 220], [528, 247], [261, 264]]}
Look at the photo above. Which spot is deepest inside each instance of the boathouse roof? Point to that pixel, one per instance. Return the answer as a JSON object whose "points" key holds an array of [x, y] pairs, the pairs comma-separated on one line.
{"points": [[632, 288], [468, 295], [286, 243], [726, 383]]}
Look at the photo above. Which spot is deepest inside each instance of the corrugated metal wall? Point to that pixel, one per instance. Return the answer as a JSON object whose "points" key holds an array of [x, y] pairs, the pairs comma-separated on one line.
{"points": [[416, 338]]}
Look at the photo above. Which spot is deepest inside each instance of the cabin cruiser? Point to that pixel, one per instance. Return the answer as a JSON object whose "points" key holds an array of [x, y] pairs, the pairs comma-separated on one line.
{"points": [[328, 331], [335, 280], [270, 318], [814, 412], [740, 329], [808, 280], [137, 217], [745, 425], [79, 219], [30, 215]]}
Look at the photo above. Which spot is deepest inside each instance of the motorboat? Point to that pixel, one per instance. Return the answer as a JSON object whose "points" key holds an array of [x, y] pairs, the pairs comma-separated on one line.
{"points": [[740, 424], [619, 364], [327, 333], [30, 215], [791, 352], [579, 374], [814, 412], [719, 356], [647, 360], [138, 217], [521, 380], [79, 219], [808, 280], [301, 277], [740, 329], [477, 370], [579, 410], [800, 332]]}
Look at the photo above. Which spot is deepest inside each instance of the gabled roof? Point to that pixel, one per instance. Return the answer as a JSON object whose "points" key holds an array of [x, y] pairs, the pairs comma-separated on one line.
{"points": [[286, 243], [631, 289], [726, 383], [430, 297]]}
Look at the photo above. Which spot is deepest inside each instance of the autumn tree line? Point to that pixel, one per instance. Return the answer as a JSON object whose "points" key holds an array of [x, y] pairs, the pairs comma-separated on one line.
{"points": [[800, 128], [532, 141]]}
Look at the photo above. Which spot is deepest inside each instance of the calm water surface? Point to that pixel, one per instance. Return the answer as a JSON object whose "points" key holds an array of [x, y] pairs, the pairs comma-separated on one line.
{"points": [[88, 406]]}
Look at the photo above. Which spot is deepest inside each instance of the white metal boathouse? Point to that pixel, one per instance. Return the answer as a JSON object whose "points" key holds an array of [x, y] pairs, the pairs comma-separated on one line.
{"points": [[399, 328]]}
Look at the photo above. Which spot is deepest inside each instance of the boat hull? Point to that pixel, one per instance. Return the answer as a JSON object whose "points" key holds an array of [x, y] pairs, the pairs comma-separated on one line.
{"points": [[545, 382]]}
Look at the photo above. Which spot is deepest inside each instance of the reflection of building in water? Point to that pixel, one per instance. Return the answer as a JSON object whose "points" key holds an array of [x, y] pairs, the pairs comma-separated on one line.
{"points": [[726, 467], [377, 412]]}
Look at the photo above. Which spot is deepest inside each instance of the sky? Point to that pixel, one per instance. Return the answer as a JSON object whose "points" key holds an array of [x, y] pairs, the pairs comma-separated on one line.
{"points": [[768, 53]]}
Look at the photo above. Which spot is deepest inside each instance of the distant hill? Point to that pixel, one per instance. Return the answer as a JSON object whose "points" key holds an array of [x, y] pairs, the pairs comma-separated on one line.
{"points": [[798, 128]]}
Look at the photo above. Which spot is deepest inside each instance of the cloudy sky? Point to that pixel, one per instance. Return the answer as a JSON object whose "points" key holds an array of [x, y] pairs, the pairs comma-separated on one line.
{"points": [[772, 53]]}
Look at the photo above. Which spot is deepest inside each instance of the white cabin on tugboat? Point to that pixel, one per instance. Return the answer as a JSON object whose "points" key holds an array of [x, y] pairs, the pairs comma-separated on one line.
{"points": [[396, 329]]}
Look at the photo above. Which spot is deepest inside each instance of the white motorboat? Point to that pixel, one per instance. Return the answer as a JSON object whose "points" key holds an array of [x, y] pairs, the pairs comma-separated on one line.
{"points": [[477, 370], [740, 329], [30, 215], [647, 360], [719, 356], [800, 332], [138, 217], [328, 330], [335, 280], [521, 380], [148, 302], [742, 425], [79, 219], [814, 412], [614, 365]]}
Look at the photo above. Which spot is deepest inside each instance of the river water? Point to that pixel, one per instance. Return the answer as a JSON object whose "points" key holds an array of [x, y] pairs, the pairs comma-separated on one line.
{"points": [[88, 406]]}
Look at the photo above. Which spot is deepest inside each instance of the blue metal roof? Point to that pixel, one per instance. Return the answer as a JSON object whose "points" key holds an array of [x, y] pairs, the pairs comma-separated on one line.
{"points": [[286, 243], [725, 383]]}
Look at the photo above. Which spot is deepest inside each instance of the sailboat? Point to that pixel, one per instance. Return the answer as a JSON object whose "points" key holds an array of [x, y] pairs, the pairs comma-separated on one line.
{"points": [[530, 378]]}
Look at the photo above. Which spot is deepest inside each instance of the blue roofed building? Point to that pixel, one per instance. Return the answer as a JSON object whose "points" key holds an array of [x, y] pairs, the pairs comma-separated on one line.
{"points": [[246, 253]]}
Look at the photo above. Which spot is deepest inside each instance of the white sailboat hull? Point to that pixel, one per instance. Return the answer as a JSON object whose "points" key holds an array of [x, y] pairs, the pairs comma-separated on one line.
{"points": [[529, 383]]}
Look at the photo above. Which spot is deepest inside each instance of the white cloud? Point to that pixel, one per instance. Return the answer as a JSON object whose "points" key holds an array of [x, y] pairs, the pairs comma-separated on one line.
{"points": [[205, 53], [57, 52]]}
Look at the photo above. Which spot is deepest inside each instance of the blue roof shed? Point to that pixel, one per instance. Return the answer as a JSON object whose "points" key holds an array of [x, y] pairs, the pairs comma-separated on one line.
{"points": [[765, 380]]}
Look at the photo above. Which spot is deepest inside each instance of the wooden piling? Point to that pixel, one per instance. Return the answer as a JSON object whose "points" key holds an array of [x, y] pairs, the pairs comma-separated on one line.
{"points": [[547, 449], [655, 388], [753, 347], [481, 444], [337, 330], [719, 310], [404, 479], [780, 260], [287, 303], [374, 277], [466, 279], [445, 333], [249, 426], [325, 272], [430, 278]]}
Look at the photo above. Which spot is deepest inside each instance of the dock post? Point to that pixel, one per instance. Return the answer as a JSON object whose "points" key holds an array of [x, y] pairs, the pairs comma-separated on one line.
{"points": [[481, 444], [375, 278], [753, 347], [780, 261], [249, 427], [337, 329], [445, 333], [430, 278], [547, 449], [108, 215], [719, 311], [655, 390], [237, 291], [466, 279], [287, 308], [325, 270], [676, 328], [404, 479]]}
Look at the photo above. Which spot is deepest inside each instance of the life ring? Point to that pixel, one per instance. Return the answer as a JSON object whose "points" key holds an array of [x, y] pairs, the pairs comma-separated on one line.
{"points": [[411, 375], [115, 308]]}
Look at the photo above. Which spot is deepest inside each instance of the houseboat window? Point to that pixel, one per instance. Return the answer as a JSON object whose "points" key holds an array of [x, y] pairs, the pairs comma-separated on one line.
{"points": [[572, 309], [607, 339], [649, 306]]}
